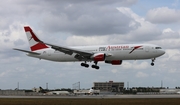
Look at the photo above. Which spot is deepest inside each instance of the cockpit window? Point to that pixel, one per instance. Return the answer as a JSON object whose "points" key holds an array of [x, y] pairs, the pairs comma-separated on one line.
{"points": [[158, 48]]}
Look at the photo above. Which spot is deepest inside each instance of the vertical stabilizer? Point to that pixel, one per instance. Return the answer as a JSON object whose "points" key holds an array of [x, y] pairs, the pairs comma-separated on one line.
{"points": [[34, 41]]}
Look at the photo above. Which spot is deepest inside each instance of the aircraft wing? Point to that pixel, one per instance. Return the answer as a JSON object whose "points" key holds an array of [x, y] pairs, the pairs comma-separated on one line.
{"points": [[30, 52], [79, 53]]}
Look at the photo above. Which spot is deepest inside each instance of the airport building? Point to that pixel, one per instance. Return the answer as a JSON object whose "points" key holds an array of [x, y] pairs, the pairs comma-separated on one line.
{"points": [[109, 86]]}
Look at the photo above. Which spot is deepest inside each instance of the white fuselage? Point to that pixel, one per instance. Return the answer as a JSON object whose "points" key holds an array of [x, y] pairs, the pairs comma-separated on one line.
{"points": [[113, 52]]}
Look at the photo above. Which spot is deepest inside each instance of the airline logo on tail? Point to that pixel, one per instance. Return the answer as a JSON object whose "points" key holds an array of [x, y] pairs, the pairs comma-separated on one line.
{"points": [[32, 38]]}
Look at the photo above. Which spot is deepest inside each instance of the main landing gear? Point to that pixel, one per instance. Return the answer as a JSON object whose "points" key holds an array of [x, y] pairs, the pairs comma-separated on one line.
{"points": [[85, 65], [153, 59], [93, 66]]}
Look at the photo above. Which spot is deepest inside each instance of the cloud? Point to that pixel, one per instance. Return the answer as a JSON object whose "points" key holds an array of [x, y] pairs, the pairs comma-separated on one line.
{"points": [[168, 33], [163, 15], [135, 65], [168, 39], [141, 75], [78, 17], [12, 36], [93, 20], [145, 31], [173, 54], [81, 40], [114, 71]]}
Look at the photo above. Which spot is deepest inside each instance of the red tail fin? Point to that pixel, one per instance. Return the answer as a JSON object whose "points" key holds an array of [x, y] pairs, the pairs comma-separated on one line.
{"points": [[34, 41]]}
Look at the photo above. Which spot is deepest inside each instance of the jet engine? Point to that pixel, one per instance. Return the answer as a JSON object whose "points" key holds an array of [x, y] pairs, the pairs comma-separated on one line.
{"points": [[114, 62], [98, 57]]}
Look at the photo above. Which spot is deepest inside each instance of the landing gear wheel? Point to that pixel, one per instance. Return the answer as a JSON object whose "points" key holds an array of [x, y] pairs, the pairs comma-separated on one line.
{"points": [[85, 65], [152, 64], [82, 64], [95, 66]]}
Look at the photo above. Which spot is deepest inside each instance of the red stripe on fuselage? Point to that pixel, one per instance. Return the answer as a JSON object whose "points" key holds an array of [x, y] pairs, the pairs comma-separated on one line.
{"points": [[136, 47]]}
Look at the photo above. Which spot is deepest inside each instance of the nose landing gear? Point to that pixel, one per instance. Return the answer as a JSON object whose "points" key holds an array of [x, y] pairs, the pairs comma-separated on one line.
{"points": [[153, 59]]}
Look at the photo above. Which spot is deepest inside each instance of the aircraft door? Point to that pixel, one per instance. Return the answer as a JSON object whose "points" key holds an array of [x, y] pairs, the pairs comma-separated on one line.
{"points": [[147, 49], [154, 50]]}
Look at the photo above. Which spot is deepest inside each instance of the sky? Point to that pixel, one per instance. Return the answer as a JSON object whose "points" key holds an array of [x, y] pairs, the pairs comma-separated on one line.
{"points": [[89, 22]]}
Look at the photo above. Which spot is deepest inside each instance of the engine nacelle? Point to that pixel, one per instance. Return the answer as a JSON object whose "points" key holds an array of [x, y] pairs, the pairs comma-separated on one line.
{"points": [[114, 62], [98, 57]]}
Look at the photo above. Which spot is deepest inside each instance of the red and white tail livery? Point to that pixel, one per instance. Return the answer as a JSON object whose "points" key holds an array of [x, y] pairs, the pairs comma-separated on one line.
{"points": [[110, 54], [31, 36]]}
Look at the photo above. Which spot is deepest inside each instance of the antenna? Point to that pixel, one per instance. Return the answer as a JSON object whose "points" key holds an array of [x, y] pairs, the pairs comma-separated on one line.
{"points": [[76, 86]]}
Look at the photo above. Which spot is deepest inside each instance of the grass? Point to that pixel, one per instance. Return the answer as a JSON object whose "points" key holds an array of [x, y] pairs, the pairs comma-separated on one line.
{"points": [[84, 101]]}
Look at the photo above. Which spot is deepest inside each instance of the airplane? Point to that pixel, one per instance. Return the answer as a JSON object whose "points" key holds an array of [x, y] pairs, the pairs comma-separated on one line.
{"points": [[110, 54]]}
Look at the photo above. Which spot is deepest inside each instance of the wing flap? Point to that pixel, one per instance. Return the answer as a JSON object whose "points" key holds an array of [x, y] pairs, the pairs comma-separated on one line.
{"points": [[69, 51], [30, 52]]}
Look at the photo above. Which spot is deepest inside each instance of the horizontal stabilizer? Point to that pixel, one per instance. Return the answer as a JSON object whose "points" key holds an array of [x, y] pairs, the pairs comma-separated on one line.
{"points": [[30, 52]]}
